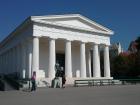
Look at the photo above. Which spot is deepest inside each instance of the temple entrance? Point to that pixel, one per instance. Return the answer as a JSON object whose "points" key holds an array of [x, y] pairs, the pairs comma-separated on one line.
{"points": [[60, 58]]}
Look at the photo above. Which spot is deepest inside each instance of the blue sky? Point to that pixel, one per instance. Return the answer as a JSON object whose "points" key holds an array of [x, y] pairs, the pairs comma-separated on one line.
{"points": [[122, 16]]}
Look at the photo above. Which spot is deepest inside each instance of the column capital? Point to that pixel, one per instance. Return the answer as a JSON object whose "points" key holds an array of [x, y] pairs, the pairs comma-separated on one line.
{"points": [[95, 43], [82, 42], [36, 36], [68, 40], [106, 45], [52, 38]]}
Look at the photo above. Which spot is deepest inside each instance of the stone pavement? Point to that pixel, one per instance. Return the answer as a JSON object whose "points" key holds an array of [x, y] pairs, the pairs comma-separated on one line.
{"points": [[98, 95]]}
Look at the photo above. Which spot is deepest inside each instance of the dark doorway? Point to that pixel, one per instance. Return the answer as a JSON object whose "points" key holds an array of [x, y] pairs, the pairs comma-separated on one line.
{"points": [[60, 58]]}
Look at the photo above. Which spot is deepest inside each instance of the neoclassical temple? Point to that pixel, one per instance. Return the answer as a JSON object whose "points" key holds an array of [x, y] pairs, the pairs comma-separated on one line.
{"points": [[41, 41]]}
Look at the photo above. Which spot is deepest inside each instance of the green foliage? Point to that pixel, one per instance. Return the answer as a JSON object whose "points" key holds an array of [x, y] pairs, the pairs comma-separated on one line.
{"points": [[119, 65], [127, 64]]}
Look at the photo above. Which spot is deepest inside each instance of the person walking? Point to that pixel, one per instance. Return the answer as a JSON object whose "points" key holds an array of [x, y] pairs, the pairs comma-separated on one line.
{"points": [[33, 80]]}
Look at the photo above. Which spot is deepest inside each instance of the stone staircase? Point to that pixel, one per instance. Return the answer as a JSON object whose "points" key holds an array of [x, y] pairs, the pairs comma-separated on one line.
{"points": [[46, 82]]}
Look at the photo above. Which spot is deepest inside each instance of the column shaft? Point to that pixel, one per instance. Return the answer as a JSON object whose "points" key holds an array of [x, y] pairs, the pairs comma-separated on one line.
{"points": [[0, 64], [52, 54], [68, 62], [106, 62], [89, 63], [96, 61], [15, 59], [23, 72], [35, 61], [6, 62], [29, 60], [3, 64], [18, 59], [82, 60]]}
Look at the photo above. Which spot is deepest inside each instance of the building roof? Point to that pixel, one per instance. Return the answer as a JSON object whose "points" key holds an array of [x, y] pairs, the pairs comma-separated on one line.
{"points": [[81, 23]]}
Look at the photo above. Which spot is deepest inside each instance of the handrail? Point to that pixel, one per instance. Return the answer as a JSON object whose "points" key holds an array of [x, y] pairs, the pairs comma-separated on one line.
{"points": [[93, 81]]}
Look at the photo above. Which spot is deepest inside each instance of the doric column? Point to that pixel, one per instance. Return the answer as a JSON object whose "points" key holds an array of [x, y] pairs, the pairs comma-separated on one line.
{"points": [[2, 63], [18, 58], [89, 63], [8, 69], [106, 62], [68, 61], [29, 59], [82, 60], [14, 59], [23, 71], [52, 54], [11, 60], [13, 66], [6, 62], [35, 59], [96, 61]]}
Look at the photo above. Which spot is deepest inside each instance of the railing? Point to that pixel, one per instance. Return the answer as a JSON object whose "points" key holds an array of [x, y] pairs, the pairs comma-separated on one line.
{"points": [[130, 81], [93, 82], [102, 82]]}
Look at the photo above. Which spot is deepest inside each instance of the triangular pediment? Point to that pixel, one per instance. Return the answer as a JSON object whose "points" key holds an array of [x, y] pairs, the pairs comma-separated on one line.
{"points": [[74, 21]]}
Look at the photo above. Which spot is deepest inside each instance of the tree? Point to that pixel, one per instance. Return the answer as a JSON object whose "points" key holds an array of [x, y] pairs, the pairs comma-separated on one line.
{"points": [[127, 64], [120, 66], [138, 43]]}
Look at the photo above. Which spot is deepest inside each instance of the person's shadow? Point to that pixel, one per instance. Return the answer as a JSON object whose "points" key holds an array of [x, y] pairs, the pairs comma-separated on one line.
{"points": [[26, 90]]}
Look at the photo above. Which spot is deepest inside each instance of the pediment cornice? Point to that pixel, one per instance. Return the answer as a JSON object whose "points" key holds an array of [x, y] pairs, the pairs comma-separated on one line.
{"points": [[73, 21]]}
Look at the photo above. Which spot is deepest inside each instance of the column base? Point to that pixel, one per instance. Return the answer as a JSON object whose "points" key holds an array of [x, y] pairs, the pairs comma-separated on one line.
{"points": [[40, 74]]}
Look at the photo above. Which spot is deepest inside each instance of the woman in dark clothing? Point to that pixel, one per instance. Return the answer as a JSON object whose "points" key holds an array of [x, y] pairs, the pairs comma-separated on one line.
{"points": [[33, 79]]}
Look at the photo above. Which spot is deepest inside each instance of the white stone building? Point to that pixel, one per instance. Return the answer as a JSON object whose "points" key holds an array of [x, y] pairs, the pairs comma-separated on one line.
{"points": [[40, 41]]}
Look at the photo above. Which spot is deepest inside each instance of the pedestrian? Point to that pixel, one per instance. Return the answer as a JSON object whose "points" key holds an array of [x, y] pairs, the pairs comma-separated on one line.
{"points": [[33, 80], [63, 81]]}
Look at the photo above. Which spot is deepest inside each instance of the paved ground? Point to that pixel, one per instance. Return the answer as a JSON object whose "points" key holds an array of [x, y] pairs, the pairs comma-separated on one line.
{"points": [[100, 95]]}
